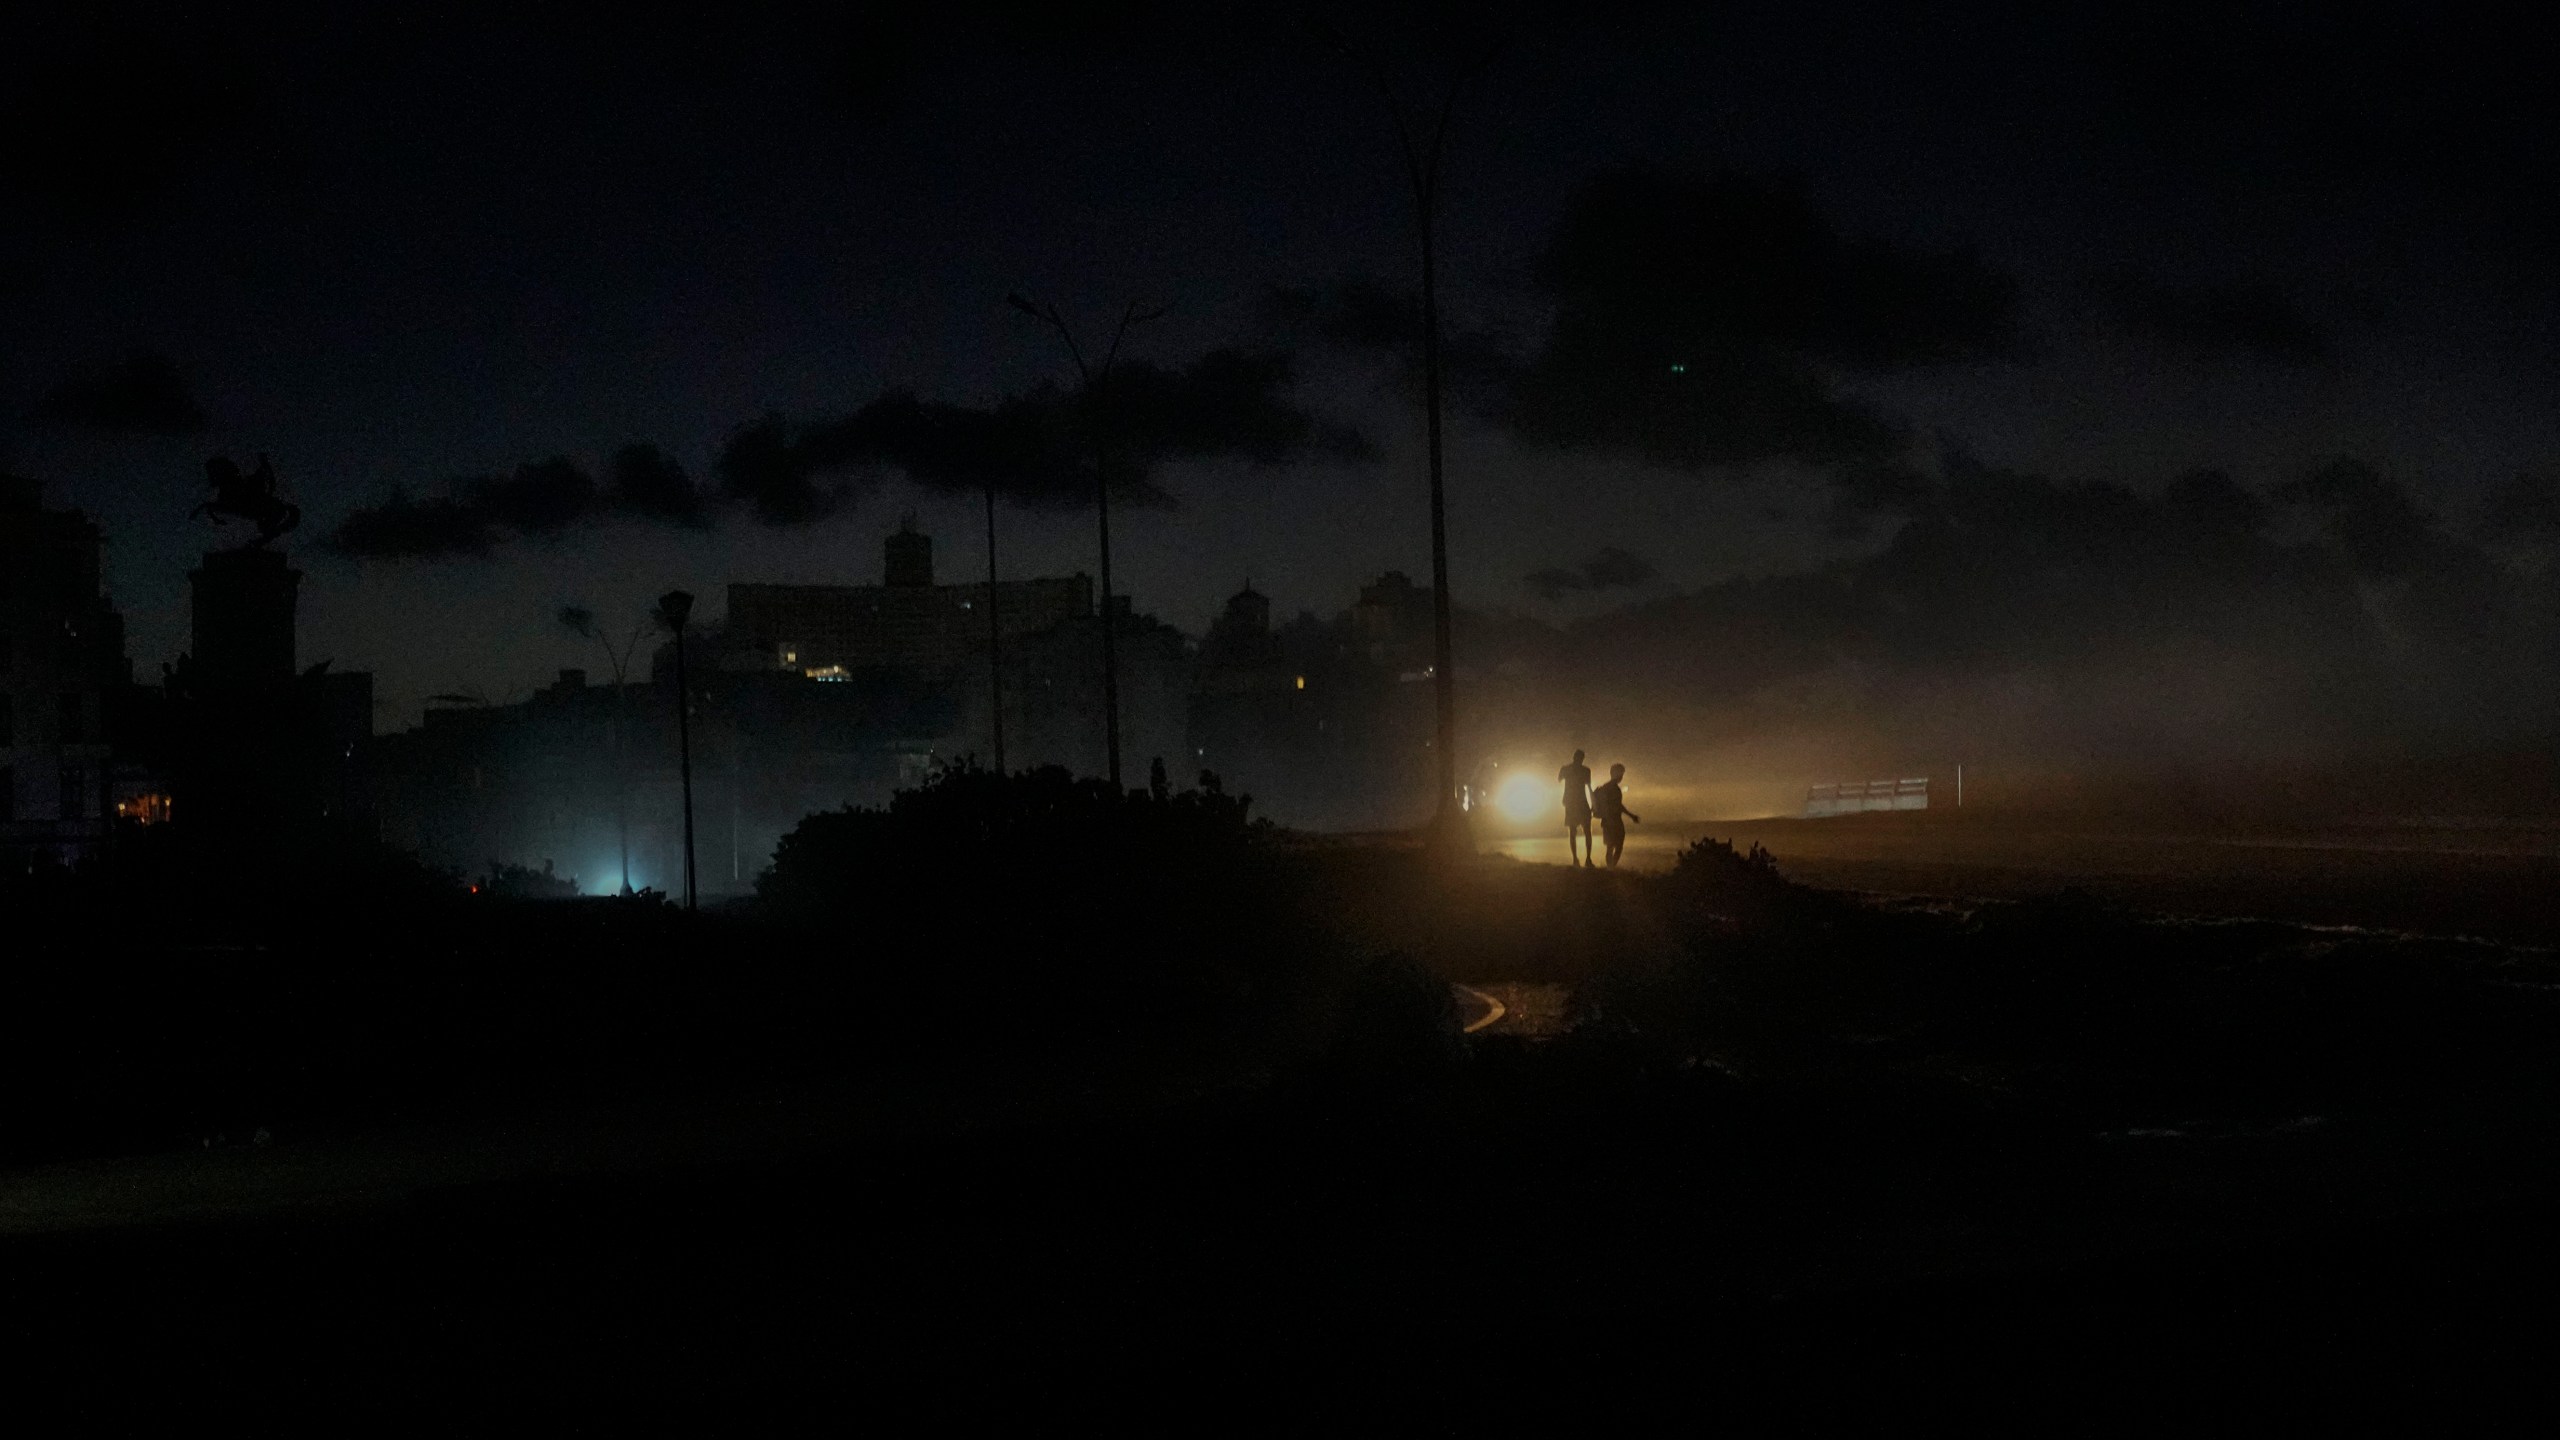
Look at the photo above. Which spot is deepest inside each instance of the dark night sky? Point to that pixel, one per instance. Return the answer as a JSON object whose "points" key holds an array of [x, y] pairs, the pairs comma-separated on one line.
{"points": [[394, 246]]}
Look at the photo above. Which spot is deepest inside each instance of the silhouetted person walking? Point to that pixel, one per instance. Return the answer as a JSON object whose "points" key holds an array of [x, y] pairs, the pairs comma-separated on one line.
{"points": [[1577, 807], [1609, 802]]}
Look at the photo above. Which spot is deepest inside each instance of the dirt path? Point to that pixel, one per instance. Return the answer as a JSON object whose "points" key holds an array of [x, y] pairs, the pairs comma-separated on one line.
{"points": [[1494, 919]]}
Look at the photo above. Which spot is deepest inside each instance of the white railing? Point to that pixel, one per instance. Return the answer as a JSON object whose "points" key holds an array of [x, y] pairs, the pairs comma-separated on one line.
{"points": [[1852, 797]]}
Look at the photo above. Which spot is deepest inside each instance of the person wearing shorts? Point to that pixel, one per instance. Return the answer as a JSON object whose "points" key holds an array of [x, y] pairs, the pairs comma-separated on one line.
{"points": [[1576, 778], [1609, 802]]}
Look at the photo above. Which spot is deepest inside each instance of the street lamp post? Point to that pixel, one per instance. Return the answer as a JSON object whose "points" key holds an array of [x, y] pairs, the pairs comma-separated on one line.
{"points": [[674, 608], [1094, 391], [583, 622], [1422, 171], [995, 633]]}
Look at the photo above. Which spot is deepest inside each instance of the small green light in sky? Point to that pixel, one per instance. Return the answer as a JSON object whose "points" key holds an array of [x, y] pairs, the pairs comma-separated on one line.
{"points": [[1679, 369]]}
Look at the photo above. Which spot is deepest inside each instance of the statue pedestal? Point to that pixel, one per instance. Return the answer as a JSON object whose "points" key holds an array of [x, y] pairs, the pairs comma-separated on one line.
{"points": [[244, 604]]}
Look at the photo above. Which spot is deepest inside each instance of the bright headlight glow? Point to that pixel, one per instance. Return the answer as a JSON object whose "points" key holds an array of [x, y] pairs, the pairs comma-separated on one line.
{"points": [[1521, 797]]}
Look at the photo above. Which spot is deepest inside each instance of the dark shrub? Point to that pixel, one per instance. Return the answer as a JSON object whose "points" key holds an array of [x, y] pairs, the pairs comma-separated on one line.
{"points": [[1040, 892], [523, 882], [970, 833], [1396, 1029], [1715, 883]]}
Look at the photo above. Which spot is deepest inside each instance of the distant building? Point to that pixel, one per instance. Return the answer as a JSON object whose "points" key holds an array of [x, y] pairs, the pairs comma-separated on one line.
{"points": [[822, 696], [1323, 723], [1240, 653], [1252, 716], [1053, 696], [1392, 624], [911, 631], [827, 631], [584, 777], [816, 697], [63, 674]]}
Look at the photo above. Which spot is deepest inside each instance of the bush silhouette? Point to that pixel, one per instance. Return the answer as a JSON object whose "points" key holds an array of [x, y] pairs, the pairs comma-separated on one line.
{"points": [[1123, 910], [523, 882], [1043, 833]]}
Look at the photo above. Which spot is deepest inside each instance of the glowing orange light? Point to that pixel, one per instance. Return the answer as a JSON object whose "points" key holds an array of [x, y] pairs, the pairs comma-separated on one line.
{"points": [[1522, 798]]}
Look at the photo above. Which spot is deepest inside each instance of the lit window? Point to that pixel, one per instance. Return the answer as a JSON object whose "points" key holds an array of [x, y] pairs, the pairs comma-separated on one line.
{"points": [[147, 809], [1302, 682]]}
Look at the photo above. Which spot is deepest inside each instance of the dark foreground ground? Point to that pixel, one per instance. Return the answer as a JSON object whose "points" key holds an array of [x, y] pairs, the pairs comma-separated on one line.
{"points": [[1234, 1266], [1794, 1160], [2493, 879]]}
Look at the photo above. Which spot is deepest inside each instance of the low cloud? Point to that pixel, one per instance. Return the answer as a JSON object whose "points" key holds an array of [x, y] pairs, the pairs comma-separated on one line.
{"points": [[139, 394], [1698, 322], [1037, 449], [1040, 449], [2248, 318], [651, 486], [403, 528], [1710, 321], [2526, 509], [775, 472], [474, 514], [1361, 314], [1610, 568], [1356, 311], [2373, 519], [2201, 627], [1861, 494]]}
